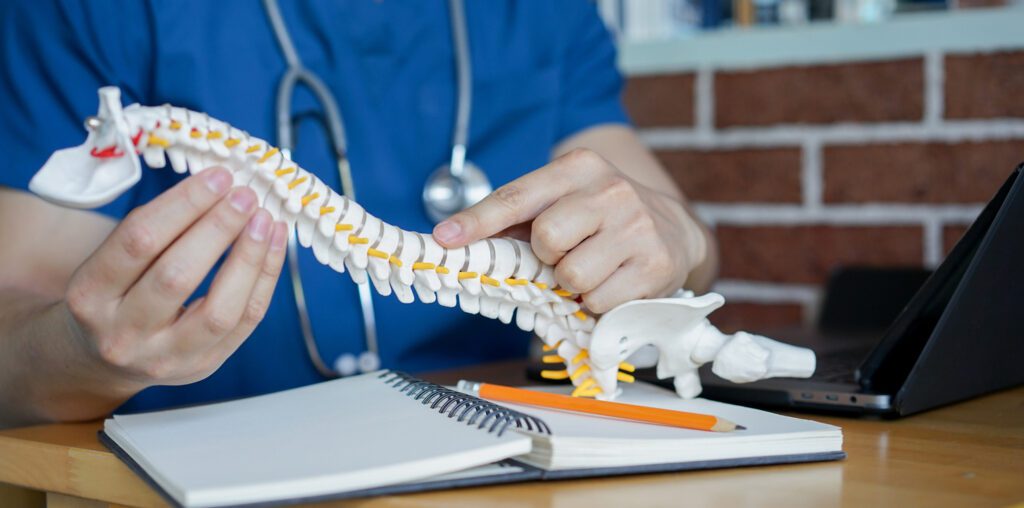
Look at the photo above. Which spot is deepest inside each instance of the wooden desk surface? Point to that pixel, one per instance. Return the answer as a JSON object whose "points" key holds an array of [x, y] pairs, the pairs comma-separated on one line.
{"points": [[969, 454]]}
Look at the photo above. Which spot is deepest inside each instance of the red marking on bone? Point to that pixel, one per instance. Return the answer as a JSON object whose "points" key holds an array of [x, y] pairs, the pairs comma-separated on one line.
{"points": [[106, 153], [137, 137]]}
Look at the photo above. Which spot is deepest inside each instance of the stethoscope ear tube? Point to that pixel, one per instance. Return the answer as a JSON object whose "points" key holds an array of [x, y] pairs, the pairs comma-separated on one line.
{"points": [[463, 73], [449, 189], [460, 183], [369, 360]]}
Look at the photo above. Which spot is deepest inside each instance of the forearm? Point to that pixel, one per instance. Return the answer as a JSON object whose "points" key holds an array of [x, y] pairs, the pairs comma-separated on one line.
{"points": [[621, 147], [46, 372]]}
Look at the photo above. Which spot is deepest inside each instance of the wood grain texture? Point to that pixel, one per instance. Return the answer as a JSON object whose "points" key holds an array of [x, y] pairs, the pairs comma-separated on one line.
{"points": [[968, 454]]}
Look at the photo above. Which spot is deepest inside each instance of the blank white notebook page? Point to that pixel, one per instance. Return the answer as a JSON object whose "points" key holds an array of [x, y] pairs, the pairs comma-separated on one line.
{"points": [[583, 441], [331, 437]]}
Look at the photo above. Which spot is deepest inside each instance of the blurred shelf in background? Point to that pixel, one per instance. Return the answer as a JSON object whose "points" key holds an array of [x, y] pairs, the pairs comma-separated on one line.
{"points": [[910, 34], [657, 41]]}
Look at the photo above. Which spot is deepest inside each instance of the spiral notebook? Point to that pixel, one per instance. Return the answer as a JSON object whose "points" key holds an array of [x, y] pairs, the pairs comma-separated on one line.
{"points": [[387, 433]]}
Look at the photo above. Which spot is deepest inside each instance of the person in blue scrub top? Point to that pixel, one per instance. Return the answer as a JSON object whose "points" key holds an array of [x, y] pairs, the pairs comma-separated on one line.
{"points": [[135, 306]]}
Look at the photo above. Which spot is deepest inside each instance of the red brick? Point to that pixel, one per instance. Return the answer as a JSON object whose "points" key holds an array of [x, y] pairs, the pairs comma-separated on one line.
{"points": [[769, 175], [919, 172], [984, 85], [660, 101], [950, 235], [806, 254], [975, 4], [757, 317], [885, 91]]}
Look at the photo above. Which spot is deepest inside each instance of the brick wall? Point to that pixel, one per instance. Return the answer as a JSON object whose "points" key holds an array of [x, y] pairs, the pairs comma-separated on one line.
{"points": [[800, 169]]}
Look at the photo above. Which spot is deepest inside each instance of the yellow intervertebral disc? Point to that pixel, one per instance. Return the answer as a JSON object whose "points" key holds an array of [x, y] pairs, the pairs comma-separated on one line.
{"points": [[582, 355], [580, 372], [297, 182], [310, 197], [554, 374], [270, 153], [158, 141]]}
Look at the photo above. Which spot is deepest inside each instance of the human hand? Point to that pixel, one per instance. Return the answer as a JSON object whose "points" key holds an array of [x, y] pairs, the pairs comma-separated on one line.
{"points": [[610, 238], [126, 300]]}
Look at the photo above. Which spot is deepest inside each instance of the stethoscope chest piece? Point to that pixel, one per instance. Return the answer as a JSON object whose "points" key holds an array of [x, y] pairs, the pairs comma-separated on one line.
{"points": [[445, 194], [348, 364]]}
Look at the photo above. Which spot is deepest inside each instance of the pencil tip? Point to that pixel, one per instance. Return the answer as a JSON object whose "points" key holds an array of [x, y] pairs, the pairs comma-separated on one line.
{"points": [[740, 427]]}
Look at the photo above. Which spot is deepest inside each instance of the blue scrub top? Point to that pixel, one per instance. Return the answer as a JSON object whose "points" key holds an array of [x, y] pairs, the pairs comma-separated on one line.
{"points": [[542, 71]]}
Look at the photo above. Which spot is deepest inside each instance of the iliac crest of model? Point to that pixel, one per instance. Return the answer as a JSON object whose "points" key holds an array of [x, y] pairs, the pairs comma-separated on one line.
{"points": [[496, 277]]}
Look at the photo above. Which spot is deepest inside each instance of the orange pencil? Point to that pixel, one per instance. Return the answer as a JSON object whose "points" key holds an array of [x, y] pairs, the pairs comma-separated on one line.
{"points": [[631, 412]]}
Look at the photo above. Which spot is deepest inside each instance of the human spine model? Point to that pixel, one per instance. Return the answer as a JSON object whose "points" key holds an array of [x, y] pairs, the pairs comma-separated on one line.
{"points": [[497, 278]]}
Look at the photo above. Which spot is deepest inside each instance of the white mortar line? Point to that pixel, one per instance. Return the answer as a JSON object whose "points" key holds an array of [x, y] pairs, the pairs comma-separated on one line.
{"points": [[932, 243], [836, 134], [812, 180], [704, 102], [934, 83], [766, 292], [866, 214]]}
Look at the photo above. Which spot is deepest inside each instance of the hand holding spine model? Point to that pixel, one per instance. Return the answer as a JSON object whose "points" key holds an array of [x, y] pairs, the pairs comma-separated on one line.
{"points": [[496, 278]]}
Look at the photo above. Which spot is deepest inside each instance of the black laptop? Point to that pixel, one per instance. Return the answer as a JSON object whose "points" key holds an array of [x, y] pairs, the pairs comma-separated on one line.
{"points": [[960, 335]]}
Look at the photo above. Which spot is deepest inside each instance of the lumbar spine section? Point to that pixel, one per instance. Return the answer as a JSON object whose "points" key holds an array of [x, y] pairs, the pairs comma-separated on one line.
{"points": [[497, 278]]}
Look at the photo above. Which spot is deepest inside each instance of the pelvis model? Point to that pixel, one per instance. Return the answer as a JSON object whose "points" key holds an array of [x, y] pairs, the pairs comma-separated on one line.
{"points": [[496, 278]]}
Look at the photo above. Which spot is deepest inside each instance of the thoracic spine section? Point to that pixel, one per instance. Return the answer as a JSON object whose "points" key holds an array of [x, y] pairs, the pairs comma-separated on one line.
{"points": [[499, 278]]}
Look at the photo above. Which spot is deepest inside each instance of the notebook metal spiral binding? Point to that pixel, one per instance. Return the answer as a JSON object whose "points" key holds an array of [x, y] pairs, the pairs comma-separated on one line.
{"points": [[473, 409]]}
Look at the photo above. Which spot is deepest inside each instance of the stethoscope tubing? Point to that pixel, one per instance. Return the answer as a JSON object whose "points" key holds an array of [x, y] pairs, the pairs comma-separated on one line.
{"points": [[298, 74], [463, 73]]}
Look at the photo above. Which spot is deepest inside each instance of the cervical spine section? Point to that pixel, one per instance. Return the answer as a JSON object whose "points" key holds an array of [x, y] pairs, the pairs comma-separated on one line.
{"points": [[499, 278]]}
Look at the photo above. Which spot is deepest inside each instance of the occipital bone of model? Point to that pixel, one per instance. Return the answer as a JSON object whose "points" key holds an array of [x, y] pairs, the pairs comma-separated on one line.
{"points": [[497, 278]]}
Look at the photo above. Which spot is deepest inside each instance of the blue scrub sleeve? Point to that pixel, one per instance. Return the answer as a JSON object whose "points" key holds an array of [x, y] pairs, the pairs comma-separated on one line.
{"points": [[55, 55], [591, 83]]}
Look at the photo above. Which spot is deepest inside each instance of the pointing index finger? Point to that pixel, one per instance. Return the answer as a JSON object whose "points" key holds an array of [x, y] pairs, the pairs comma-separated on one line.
{"points": [[513, 203]]}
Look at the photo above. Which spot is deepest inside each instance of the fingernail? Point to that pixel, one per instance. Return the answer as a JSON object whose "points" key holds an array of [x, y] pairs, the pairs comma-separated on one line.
{"points": [[447, 231], [243, 200], [258, 226], [280, 238], [217, 180]]}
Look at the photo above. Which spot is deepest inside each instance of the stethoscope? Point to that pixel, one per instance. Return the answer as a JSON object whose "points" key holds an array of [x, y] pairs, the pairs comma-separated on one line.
{"points": [[449, 189]]}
